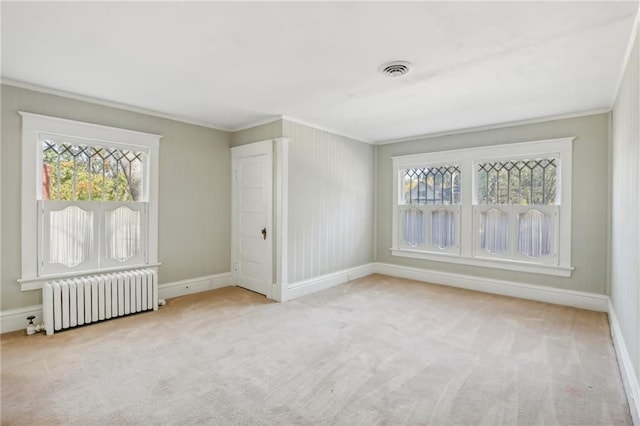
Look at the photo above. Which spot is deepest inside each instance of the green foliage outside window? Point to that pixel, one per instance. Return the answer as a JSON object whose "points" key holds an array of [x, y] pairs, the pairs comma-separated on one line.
{"points": [[75, 172]]}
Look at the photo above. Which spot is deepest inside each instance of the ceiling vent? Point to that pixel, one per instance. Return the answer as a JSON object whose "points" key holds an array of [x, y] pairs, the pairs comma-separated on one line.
{"points": [[395, 68]]}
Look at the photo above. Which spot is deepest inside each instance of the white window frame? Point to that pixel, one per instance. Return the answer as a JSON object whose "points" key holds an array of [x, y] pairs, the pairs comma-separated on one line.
{"points": [[468, 159], [34, 128]]}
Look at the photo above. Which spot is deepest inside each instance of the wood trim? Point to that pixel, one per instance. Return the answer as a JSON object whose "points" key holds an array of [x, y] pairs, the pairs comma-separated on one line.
{"points": [[312, 285], [194, 285], [281, 219], [578, 299], [16, 319], [627, 372]]}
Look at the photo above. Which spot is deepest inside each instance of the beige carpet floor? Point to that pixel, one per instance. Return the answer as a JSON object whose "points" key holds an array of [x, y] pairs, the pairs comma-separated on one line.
{"points": [[378, 350]]}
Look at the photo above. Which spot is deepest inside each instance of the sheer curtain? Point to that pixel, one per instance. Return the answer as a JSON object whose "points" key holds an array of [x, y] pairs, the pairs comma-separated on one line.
{"points": [[494, 231], [443, 228], [534, 231], [70, 236], [122, 233], [413, 227]]}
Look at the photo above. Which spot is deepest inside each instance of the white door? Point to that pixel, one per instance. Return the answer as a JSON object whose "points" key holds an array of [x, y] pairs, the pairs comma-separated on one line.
{"points": [[252, 216]]}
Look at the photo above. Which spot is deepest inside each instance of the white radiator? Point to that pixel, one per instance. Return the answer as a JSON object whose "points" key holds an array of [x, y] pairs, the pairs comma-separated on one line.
{"points": [[77, 301]]}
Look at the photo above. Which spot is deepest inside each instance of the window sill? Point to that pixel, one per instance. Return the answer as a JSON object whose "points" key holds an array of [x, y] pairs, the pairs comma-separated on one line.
{"points": [[35, 283], [510, 265]]}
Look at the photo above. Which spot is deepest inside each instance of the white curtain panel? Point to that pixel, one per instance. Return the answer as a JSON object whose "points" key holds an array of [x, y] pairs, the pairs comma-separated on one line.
{"points": [[70, 236], [534, 231], [122, 233], [443, 228], [414, 227], [494, 231]]}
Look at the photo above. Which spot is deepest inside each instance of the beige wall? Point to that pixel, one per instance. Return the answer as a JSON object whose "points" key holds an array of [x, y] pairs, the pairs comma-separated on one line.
{"points": [[194, 189], [590, 195], [625, 208], [331, 186], [259, 133]]}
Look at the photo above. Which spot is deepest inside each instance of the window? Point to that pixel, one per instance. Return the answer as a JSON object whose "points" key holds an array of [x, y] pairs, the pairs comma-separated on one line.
{"points": [[429, 212], [89, 198], [505, 206], [516, 214]]}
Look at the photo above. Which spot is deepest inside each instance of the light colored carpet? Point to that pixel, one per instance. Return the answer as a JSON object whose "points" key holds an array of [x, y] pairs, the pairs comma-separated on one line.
{"points": [[378, 350]]}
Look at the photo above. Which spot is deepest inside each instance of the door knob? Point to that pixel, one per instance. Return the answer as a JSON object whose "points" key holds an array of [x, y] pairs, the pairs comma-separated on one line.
{"points": [[264, 233]]}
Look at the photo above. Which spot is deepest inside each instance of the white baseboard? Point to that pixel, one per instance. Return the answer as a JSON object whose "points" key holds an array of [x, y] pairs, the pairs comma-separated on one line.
{"points": [[578, 299], [323, 282], [194, 285], [16, 319], [629, 377]]}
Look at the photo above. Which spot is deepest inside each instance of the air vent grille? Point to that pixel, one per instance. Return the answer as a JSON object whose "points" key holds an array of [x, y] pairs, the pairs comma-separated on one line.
{"points": [[395, 68]]}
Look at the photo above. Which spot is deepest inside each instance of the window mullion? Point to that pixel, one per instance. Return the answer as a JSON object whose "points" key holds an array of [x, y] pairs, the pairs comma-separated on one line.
{"points": [[100, 233], [466, 211], [513, 230]]}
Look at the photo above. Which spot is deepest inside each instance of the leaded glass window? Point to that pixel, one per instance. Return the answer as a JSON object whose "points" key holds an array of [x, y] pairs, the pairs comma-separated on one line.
{"points": [[94, 206], [511, 232], [523, 182], [503, 206], [431, 185], [433, 194], [86, 173]]}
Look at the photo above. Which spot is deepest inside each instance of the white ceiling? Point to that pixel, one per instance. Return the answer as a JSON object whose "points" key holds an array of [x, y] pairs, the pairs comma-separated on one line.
{"points": [[230, 65]]}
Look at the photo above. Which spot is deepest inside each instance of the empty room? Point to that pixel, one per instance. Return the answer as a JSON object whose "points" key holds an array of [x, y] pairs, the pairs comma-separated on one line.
{"points": [[320, 213]]}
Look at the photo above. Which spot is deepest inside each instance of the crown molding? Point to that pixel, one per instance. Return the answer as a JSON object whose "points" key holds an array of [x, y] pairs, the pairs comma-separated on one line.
{"points": [[107, 103], [497, 126]]}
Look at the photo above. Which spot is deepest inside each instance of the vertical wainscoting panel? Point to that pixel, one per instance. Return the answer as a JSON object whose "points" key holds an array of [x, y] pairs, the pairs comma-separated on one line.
{"points": [[330, 202], [625, 219]]}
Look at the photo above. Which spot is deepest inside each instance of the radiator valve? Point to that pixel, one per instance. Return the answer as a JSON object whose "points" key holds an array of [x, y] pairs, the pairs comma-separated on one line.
{"points": [[33, 328]]}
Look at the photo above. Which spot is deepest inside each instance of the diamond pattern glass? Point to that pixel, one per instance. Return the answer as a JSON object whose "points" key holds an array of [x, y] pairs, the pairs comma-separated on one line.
{"points": [[523, 182], [431, 185], [79, 172]]}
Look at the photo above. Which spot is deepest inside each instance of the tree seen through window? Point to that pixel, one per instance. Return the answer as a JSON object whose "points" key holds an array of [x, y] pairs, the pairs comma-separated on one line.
{"points": [[90, 173]]}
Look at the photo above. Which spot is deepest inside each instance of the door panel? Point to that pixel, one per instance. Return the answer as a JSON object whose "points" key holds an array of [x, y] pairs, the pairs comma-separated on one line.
{"points": [[252, 194]]}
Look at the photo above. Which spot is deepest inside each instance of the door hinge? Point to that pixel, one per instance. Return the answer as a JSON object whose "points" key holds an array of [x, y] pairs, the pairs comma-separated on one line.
{"points": [[235, 174], [235, 266]]}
